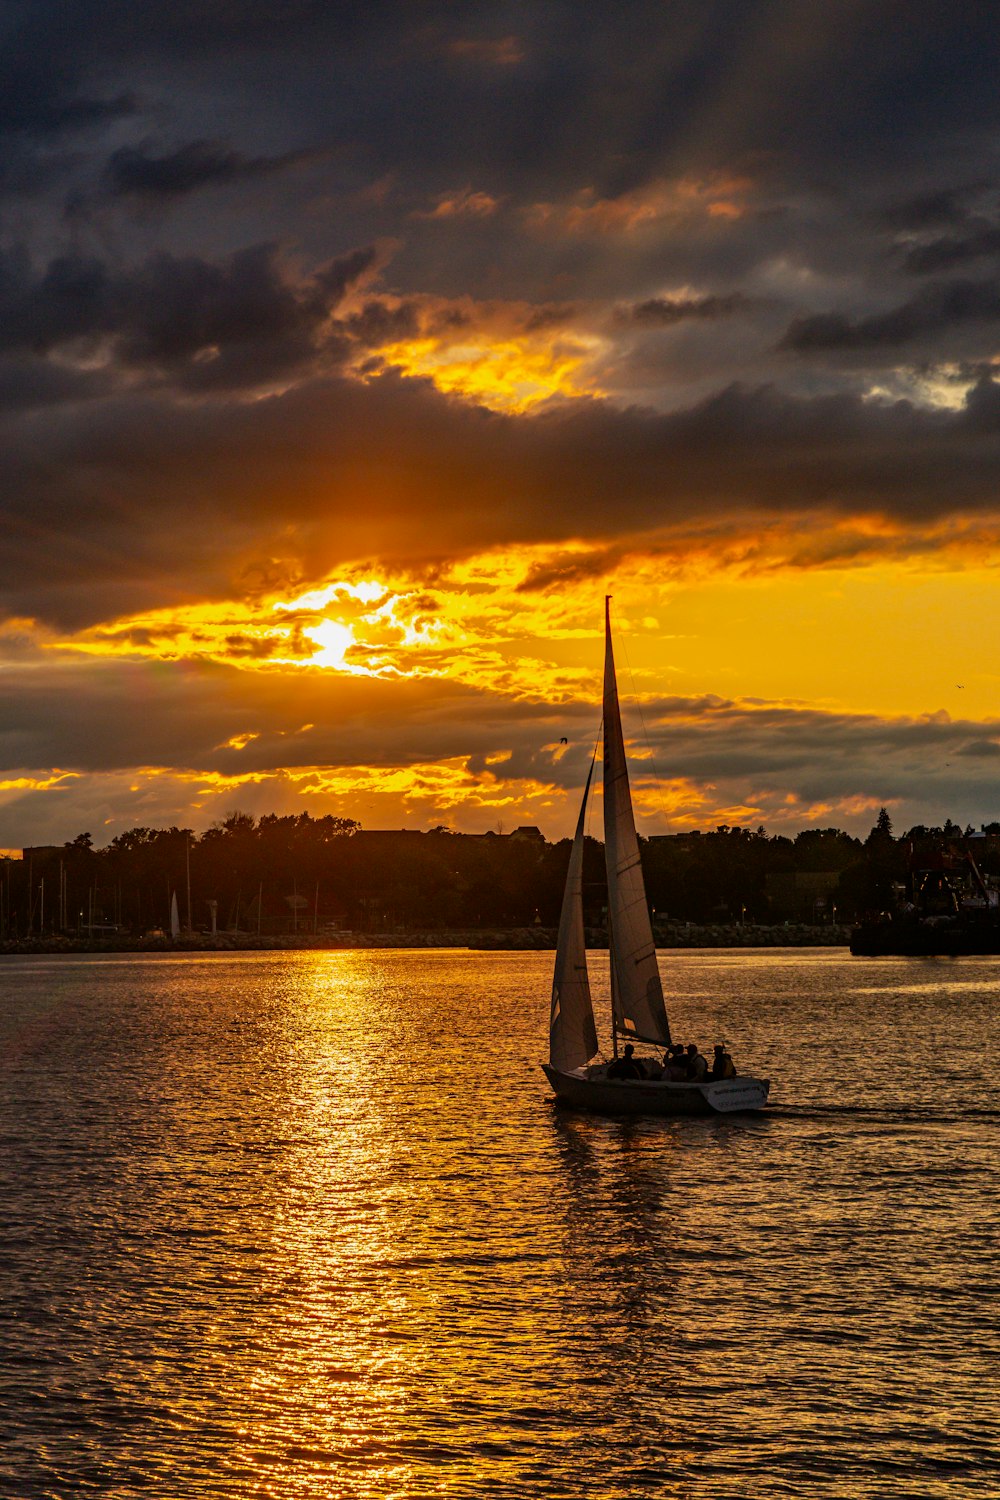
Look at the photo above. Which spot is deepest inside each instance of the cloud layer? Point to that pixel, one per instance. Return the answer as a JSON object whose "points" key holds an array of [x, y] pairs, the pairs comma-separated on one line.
{"points": [[341, 294]]}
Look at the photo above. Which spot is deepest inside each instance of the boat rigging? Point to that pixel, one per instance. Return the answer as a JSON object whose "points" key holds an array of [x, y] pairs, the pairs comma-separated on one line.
{"points": [[638, 1008]]}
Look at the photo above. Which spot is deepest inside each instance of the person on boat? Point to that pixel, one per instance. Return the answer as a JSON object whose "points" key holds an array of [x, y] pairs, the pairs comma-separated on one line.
{"points": [[722, 1064], [625, 1066], [675, 1064], [697, 1066]]}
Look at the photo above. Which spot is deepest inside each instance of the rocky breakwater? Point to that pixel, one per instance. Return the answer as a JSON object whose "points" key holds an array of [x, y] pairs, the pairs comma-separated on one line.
{"points": [[686, 935], [505, 939], [751, 935], [243, 942]]}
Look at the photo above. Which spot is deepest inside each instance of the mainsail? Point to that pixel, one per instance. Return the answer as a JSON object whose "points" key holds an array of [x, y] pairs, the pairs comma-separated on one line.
{"points": [[175, 920], [572, 1033], [637, 994]]}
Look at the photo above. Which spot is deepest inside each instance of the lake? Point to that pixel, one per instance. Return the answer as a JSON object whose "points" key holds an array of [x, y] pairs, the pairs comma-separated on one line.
{"points": [[308, 1225]]}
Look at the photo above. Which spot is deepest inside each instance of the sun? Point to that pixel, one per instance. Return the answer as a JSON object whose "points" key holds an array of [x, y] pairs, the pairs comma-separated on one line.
{"points": [[333, 640]]}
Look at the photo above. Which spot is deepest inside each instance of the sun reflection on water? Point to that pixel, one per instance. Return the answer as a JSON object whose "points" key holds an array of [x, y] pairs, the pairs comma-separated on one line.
{"points": [[306, 1225]]}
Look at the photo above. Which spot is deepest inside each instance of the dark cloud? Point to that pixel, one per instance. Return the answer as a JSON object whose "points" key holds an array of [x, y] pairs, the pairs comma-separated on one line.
{"points": [[549, 317], [226, 323], [664, 312], [982, 240], [571, 568], [132, 171], [39, 99], [84, 718], [176, 309], [933, 311], [565, 92], [377, 323], [980, 749], [823, 757], [941, 207], [26, 383], [337, 470]]}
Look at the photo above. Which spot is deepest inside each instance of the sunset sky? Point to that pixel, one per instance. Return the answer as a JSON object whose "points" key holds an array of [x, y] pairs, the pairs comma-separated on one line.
{"points": [[350, 354]]}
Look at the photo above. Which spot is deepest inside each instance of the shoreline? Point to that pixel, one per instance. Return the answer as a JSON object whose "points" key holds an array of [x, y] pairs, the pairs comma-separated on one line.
{"points": [[500, 940]]}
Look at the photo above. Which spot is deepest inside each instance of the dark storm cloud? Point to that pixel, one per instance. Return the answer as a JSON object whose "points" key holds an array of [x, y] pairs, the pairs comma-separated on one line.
{"points": [[337, 276], [133, 171], [246, 312], [982, 240], [26, 383], [823, 757], [335, 470], [376, 323], [543, 93], [39, 98], [664, 312], [935, 310], [188, 713], [527, 106], [942, 207]]}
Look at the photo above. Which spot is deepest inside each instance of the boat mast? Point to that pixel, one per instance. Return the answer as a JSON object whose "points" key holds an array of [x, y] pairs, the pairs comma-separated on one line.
{"points": [[187, 857], [614, 987]]}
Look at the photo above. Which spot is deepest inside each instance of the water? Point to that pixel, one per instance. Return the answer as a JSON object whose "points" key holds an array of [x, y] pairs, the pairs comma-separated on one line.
{"points": [[307, 1225]]}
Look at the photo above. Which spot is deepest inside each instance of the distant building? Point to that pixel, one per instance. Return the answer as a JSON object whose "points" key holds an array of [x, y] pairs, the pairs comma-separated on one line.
{"points": [[387, 838], [679, 842], [802, 895]]}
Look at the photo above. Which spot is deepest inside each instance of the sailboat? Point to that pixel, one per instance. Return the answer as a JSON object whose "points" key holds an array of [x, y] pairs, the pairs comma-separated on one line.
{"points": [[638, 1010]]}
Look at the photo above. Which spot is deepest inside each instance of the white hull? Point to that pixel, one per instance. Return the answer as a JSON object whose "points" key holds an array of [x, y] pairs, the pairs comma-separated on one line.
{"points": [[635, 1096]]}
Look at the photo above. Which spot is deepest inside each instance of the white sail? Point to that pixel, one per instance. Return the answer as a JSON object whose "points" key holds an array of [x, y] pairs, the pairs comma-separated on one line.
{"points": [[637, 994], [175, 921], [572, 1033]]}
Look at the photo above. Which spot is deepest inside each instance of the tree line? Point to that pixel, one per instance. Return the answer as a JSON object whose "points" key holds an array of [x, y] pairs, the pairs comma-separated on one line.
{"points": [[300, 873]]}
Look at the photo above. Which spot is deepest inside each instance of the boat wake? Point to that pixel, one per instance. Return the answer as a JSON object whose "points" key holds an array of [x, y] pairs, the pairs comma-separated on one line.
{"points": [[882, 1113]]}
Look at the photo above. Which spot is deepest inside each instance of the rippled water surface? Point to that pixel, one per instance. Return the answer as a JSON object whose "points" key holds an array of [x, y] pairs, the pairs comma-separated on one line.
{"points": [[309, 1225]]}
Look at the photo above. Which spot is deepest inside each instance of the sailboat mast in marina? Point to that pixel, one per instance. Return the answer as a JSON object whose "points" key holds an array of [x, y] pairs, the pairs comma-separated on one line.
{"points": [[637, 1006]]}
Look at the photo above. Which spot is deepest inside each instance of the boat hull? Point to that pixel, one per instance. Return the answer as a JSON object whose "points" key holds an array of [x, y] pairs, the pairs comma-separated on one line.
{"points": [[633, 1096], [925, 939]]}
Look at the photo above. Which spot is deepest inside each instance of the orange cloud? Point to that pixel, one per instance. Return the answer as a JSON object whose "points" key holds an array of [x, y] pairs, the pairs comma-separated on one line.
{"points": [[510, 374], [521, 621], [507, 356], [37, 783], [463, 204], [659, 201], [501, 52]]}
